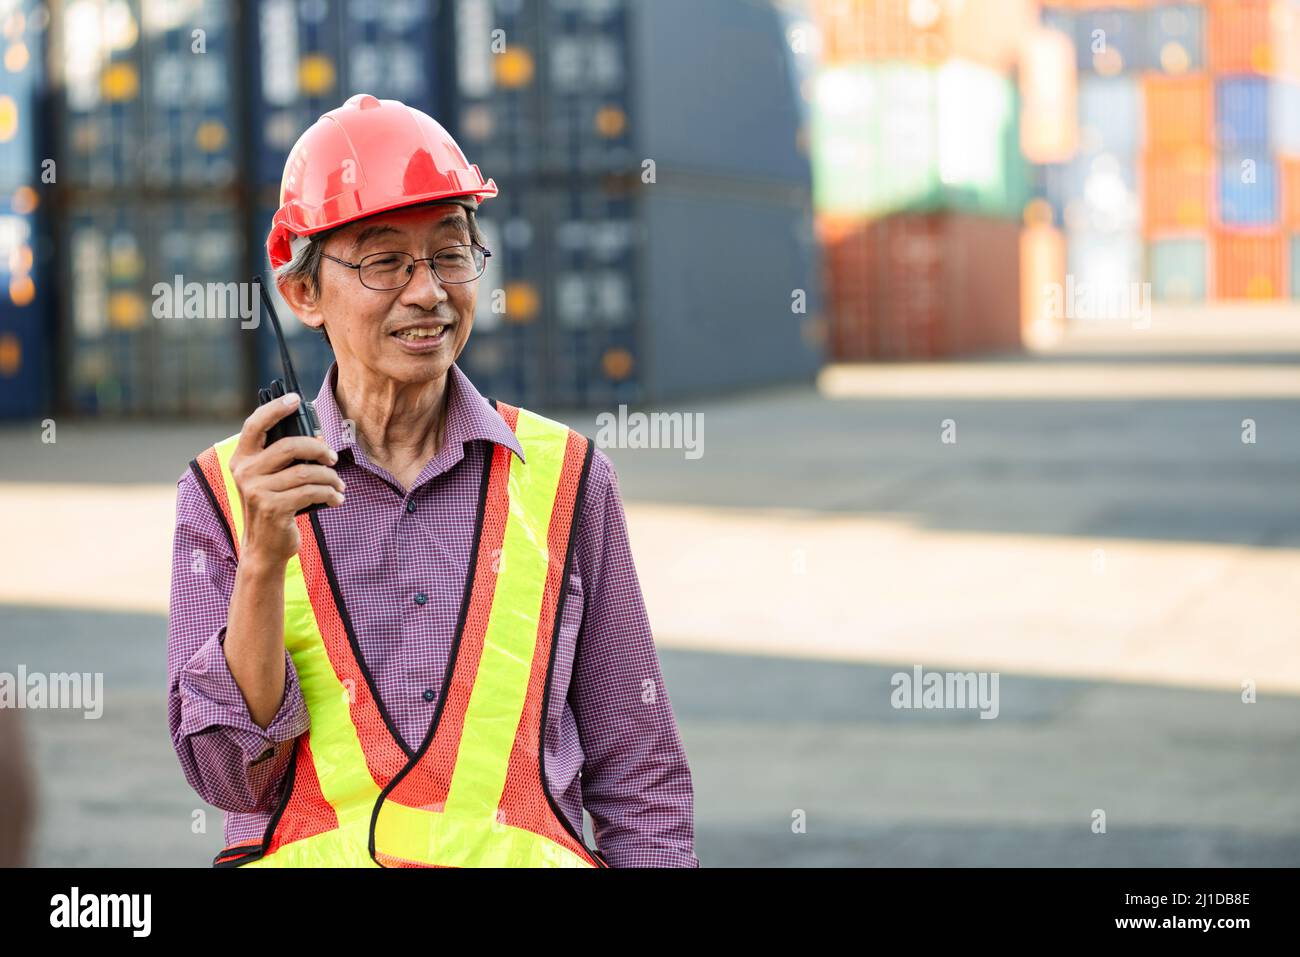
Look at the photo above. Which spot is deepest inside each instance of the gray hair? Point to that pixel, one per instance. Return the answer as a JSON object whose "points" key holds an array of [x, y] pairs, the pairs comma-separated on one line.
{"points": [[305, 264]]}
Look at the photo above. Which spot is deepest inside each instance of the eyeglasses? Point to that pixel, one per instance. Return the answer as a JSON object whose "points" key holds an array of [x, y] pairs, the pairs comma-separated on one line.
{"points": [[388, 271]]}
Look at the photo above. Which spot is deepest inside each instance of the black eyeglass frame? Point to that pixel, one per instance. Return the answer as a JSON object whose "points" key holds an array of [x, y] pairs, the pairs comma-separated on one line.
{"points": [[487, 254]]}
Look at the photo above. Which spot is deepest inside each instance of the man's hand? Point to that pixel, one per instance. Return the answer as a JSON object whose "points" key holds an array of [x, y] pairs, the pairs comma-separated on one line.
{"points": [[272, 494]]}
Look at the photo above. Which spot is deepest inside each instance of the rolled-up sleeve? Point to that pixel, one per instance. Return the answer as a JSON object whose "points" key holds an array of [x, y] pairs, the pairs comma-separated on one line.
{"points": [[227, 758], [636, 782]]}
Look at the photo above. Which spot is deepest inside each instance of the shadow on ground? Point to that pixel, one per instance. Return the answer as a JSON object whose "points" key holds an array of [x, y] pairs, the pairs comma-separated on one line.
{"points": [[1185, 777]]}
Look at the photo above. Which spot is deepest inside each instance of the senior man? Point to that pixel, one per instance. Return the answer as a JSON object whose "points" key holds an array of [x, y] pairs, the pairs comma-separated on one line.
{"points": [[449, 658]]}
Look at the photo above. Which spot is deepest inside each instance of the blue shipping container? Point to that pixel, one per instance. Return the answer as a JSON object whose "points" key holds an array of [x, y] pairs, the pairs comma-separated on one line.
{"points": [[109, 314], [24, 329], [1248, 189], [1284, 105], [731, 291], [312, 56], [587, 87], [498, 114], [594, 239], [1110, 114], [1094, 192], [683, 93], [22, 82], [1113, 38], [191, 117], [196, 251], [1176, 38], [505, 356], [1241, 111], [103, 74]]}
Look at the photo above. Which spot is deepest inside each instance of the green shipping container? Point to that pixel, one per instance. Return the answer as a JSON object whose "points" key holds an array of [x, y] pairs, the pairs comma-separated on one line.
{"points": [[892, 137], [1177, 269]]}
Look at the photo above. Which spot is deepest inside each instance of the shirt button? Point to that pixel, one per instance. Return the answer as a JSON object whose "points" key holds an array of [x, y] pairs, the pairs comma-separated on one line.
{"points": [[410, 505], [421, 598], [429, 695]]}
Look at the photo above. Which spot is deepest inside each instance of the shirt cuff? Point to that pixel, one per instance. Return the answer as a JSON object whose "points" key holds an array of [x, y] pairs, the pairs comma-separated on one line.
{"points": [[210, 698]]}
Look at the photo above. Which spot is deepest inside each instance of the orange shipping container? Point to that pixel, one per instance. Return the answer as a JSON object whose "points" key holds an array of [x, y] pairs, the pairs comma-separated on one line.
{"points": [[1239, 36], [985, 31], [1179, 110], [1250, 265], [1042, 269], [1049, 118], [1290, 175], [1286, 39], [1177, 186]]}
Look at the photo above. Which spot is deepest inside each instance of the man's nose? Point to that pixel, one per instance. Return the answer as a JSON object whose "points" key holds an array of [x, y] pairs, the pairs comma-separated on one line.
{"points": [[424, 289]]}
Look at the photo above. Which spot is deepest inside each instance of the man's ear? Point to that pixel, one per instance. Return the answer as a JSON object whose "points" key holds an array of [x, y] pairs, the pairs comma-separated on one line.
{"points": [[304, 304]]}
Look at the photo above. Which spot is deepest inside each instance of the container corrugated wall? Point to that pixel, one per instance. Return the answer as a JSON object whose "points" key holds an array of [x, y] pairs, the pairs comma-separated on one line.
{"points": [[153, 253], [506, 353], [918, 286], [309, 57], [26, 344], [615, 183], [157, 312], [1250, 265]]}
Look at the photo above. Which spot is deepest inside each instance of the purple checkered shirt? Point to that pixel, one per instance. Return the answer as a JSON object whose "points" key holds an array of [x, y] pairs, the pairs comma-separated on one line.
{"points": [[612, 743]]}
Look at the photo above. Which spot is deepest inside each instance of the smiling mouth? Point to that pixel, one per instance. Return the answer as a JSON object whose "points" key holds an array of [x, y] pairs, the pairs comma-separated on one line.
{"points": [[422, 334]]}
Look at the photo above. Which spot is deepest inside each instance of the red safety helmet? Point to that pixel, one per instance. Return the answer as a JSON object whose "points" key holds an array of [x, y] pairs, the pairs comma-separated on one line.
{"points": [[366, 157]]}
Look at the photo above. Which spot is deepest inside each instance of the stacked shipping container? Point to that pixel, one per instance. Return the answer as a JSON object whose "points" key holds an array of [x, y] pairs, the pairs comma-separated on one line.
{"points": [[1189, 119], [149, 223], [640, 252], [25, 364], [919, 179]]}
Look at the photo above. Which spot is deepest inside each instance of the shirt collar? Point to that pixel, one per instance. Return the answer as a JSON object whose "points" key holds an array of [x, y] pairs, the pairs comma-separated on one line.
{"points": [[469, 416]]}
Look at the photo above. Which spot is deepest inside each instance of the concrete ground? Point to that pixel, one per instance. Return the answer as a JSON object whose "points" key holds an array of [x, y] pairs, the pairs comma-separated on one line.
{"points": [[1099, 535]]}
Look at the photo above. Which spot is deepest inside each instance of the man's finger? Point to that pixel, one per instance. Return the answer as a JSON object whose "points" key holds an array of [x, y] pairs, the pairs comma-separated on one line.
{"points": [[252, 437], [283, 451]]}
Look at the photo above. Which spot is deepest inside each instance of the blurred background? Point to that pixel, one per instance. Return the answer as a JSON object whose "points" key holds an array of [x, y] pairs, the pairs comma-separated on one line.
{"points": [[990, 308]]}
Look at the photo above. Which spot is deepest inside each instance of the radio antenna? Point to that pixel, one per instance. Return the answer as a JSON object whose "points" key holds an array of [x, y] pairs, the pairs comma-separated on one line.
{"points": [[290, 377]]}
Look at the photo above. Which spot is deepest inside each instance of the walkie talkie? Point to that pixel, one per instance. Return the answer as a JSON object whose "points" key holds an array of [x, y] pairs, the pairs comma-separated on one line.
{"points": [[303, 421]]}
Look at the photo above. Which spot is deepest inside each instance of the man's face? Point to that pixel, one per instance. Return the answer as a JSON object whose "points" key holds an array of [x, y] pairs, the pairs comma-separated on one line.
{"points": [[412, 334]]}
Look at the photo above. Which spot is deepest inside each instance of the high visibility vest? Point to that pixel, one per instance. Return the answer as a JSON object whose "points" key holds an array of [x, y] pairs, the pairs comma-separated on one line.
{"points": [[474, 793]]}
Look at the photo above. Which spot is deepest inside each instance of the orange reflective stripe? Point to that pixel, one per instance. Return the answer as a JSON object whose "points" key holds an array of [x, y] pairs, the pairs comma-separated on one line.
{"points": [[210, 467], [431, 776], [384, 755], [306, 812], [526, 756]]}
